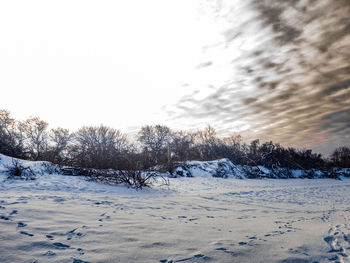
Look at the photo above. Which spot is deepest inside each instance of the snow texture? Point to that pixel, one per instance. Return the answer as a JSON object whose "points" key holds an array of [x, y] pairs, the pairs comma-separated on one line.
{"points": [[59, 218]]}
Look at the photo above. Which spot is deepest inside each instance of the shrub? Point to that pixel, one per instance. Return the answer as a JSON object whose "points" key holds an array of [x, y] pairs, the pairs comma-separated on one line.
{"points": [[132, 178], [18, 171]]}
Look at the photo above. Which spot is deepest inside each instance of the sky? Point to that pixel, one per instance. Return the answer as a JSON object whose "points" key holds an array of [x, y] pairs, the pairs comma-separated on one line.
{"points": [[276, 71]]}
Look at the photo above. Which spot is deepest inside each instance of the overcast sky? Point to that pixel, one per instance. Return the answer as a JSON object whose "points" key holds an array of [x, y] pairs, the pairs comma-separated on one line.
{"points": [[277, 71]]}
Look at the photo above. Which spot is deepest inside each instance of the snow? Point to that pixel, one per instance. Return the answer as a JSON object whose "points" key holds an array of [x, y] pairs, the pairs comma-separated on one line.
{"points": [[224, 168], [218, 168], [59, 218]]}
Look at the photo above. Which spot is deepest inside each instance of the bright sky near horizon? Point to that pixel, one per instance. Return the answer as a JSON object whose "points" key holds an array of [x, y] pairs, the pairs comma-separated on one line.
{"points": [[75, 63]]}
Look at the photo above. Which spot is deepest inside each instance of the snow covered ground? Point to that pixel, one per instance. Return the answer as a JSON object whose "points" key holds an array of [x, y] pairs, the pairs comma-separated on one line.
{"points": [[201, 219]]}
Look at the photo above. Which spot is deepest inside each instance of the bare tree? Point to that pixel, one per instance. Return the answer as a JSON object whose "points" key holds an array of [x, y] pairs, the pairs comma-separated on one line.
{"points": [[99, 147], [36, 137], [155, 140], [57, 151], [181, 144], [206, 144], [341, 157], [11, 137], [7, 127]]}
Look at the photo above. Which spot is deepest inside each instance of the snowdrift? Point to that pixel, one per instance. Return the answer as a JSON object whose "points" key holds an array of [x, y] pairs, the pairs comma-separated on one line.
{"points": [[38, 168], [224, 168]]}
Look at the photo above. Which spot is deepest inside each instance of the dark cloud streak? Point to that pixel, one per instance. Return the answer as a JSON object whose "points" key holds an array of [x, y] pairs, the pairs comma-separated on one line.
{"points": [[299, 71]]}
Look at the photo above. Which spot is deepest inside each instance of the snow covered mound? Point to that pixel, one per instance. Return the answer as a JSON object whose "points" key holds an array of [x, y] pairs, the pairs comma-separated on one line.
{"points": [[224, 168], [37, 168], [50, 177]]}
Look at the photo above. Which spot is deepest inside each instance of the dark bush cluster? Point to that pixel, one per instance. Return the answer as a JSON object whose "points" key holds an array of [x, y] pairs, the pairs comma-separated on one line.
{"points": [[103, 147], [131, 178], [20, 172]]}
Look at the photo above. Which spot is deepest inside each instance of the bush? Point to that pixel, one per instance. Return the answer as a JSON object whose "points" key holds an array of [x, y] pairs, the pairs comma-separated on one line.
{"points": [[341, 157], [18, 171], [99, 147], [131, 178]]}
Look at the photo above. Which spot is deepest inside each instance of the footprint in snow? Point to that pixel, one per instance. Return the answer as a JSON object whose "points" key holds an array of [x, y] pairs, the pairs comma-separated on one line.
{"points": [[296, 260], [81, 251], [26, 233], [70, 234], [301, 250], [21, 224], [51, 237], [59, 200], [5, 218], [225, 250], [105, 217], [49, 253], [195, 257], [60, 245], [13, 212], [76, 260], [338, 240]]}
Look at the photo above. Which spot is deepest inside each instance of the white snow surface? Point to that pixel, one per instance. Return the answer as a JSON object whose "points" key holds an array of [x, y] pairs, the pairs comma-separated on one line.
{"points": [[226, 169], [59, 218], [217, 168]]}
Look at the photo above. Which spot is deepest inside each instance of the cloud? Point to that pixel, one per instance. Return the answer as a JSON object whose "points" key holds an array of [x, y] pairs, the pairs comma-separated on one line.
{"points": [[291, 82], [205, 64]]}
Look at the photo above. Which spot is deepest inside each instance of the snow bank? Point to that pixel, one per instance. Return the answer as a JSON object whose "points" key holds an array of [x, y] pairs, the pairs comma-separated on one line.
{"points": [[224, 168], [39, 167], [52, 177], [49, 177]]}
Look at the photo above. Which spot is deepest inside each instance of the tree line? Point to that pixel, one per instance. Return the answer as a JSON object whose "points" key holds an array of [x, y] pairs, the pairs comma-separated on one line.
{"points": [[103, 147]]}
